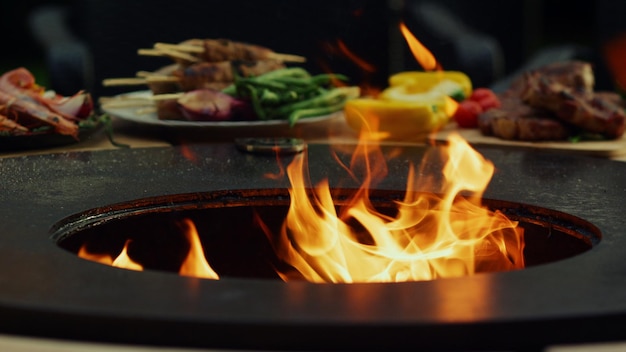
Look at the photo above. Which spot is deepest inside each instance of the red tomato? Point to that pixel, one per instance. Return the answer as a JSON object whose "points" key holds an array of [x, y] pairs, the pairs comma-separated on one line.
{"points": [[486, 98], [489, 103], [466, 114], [480, 93]]}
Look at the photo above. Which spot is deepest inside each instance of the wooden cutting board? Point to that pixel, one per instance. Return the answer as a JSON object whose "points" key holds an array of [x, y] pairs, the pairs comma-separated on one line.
{"points": [[607, 148]]}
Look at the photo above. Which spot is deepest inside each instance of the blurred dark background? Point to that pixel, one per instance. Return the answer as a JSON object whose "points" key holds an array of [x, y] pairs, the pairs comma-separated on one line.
{"points": [[488, 39]]}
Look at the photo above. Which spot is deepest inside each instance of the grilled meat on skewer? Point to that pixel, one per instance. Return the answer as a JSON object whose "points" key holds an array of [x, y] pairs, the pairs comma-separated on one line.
{"points": [[213, 75], [215, 50]]}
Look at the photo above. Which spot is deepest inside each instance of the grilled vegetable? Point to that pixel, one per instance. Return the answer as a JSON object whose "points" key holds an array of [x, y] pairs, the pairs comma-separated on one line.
{"points": [[293, 93], [455, 84], [399, 119], [212, 105]]}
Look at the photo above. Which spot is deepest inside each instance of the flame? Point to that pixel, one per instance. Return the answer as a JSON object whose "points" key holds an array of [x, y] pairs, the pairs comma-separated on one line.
{"points": [[124, 261], [430, 237], [423, 56], [356, 59], [195, 264], [121, 261]]}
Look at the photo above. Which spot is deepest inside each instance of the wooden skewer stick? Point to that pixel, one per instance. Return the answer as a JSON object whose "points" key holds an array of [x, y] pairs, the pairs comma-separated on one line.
{"points": [[168, 96], [286, 57], [133, 81], [109, 82], [161, 79], [124, 102], [132, 101], [167, 52], [190, 48]]}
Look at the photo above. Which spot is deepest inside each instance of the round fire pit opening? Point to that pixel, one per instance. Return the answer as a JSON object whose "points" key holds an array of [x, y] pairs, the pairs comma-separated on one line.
{"points": [[237, 247]]}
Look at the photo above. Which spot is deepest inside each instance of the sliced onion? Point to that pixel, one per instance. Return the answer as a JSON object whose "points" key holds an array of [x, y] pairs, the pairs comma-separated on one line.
{"points": [[212, 105]]}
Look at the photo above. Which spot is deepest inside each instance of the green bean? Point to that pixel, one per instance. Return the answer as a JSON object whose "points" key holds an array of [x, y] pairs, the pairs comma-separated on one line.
{"points": [[327, 78], [292, 93], [296, 115], [284, 72], [254, 99], [326, 98], [274, 84]]}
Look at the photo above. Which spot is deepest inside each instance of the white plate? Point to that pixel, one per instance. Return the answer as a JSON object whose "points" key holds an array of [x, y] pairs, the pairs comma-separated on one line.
{"points": [[138, 114]]}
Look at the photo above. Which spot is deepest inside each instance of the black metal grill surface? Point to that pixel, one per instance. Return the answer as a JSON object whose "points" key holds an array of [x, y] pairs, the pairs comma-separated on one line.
{"points": [[47, 291]]}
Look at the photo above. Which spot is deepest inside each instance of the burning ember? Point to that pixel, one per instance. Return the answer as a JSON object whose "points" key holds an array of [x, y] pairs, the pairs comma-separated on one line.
{"points": [[442, 233]]}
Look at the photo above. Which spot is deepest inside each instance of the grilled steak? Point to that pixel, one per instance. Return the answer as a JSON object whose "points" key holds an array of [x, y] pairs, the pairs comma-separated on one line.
{"points": [[590, 111], [553, 103], [515, 120]]}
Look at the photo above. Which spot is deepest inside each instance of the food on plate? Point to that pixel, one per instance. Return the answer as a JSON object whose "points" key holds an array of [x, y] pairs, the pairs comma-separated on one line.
{"points": [[479, 101], [219, 79], [212, 74], [259, 84], [215, 75], [584, 109], [26, 107], [205, 63], [426, 86], [397, 119], [216, 50], [286, 94], [205, 105], [414, 104], [515, 120], [555, 102]]}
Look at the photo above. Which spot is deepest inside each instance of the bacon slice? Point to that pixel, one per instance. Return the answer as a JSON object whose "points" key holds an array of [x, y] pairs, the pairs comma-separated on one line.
{"points": [[6, 124], [26, 112], [20, 83]]}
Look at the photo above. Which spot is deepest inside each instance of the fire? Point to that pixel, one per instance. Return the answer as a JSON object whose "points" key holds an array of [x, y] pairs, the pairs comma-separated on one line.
{"points": [[195, 263], [431, 236], [440, 229], [121, 261], [420, 52], [427, 60]]}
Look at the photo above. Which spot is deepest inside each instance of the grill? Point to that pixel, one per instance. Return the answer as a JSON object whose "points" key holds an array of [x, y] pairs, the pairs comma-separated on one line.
{"points": [[571, 291]]}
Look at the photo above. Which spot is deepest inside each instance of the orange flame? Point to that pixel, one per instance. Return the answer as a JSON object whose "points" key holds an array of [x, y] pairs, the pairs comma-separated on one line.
{"points": [[121, 261], [430, 237], [428, 61], [423, 56], [195, 264]]}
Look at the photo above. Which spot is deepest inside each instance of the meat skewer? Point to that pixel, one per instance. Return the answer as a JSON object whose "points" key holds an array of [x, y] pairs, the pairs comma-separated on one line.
{"points": [[214, 50], [215, 75]]}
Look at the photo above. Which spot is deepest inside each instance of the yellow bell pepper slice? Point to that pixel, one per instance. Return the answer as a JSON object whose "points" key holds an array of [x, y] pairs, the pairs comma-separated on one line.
{"points": [[398, 119], [424, 81]]}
